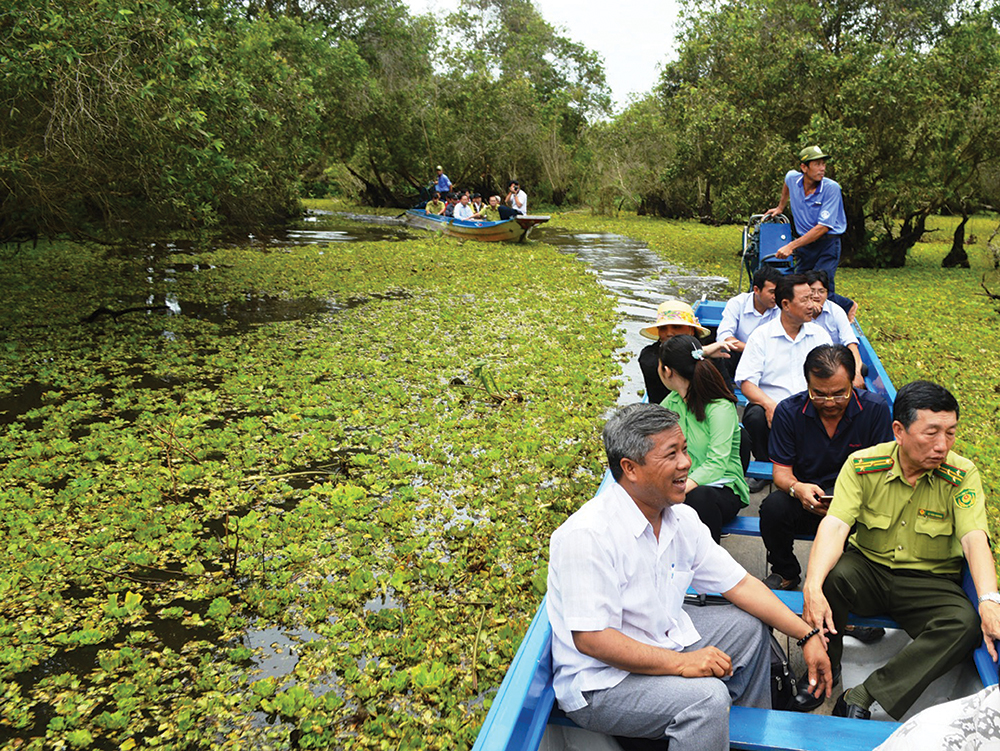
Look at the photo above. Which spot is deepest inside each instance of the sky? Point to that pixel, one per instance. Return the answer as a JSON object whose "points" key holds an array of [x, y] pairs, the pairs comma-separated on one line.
{"points": [[633, 36]]}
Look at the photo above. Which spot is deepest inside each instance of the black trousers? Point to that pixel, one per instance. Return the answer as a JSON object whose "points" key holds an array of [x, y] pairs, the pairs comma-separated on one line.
{"points": [[755, 421], [715, 507], [781, 519]]}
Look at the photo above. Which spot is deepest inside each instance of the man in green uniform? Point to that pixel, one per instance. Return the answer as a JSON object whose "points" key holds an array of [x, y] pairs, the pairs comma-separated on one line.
{"points": [[489, 213], [919, 508], [435, 205]]}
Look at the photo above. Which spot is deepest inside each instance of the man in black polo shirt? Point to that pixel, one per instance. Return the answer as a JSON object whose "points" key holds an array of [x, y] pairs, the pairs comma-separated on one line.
{"points": [[812, 434]]}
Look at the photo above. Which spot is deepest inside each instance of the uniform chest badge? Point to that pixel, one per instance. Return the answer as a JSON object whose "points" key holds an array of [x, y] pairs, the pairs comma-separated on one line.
{"points": [[930, 514]]}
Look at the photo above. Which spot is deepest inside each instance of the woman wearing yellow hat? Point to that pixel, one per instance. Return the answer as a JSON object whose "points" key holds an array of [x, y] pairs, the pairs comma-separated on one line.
{"points": [[674, 318]]}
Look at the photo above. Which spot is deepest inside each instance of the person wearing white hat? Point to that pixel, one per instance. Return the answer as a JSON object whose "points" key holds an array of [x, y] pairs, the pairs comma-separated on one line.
{"points": [[674, 317]]}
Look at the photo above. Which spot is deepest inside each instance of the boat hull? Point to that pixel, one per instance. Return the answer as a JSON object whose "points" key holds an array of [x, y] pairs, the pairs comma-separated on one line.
{"points": [[509, 230]]}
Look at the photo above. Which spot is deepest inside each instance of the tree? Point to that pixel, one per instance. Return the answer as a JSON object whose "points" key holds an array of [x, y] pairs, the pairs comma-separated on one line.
{"points": [[900, 93]]}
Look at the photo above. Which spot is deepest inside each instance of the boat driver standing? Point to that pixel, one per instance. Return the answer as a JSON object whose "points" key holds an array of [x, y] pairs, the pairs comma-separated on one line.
{"points": [[629, 658], [919, 508]]}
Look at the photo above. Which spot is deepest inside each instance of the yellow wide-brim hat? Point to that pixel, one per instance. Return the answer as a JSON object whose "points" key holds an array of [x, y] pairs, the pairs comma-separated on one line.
{"points": [[673, 313]]}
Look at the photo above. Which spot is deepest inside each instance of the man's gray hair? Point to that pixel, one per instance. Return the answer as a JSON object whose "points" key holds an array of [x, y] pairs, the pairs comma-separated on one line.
{"points": [[628, 434]]}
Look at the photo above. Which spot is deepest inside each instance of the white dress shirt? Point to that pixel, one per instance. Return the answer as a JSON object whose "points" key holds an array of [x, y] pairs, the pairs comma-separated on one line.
{"points": [[463, 211], [740, 318], [608, 570], [773, 361], [834, 320]]}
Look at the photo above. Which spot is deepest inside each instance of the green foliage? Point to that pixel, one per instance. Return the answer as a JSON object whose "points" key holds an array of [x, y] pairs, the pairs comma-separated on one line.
{"points": [[129, 115], [173, 481], [899, 93]]}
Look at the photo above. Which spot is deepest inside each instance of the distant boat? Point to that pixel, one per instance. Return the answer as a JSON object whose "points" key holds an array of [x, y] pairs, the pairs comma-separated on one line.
{"points": [[508, 230]]}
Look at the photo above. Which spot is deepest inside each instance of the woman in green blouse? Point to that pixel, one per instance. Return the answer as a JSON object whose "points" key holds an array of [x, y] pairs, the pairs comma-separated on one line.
{"points": [[716, 487]]}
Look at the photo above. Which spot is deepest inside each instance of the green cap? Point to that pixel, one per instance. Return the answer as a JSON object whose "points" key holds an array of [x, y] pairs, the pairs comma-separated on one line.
{"points": [[812, 153]]}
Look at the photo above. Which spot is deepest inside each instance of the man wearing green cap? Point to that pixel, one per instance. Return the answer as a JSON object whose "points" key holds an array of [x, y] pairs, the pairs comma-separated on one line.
{"points": [[818, 211]]}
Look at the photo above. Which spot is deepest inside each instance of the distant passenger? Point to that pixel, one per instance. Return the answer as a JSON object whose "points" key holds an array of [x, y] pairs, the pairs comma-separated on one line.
{"points": [[463, 210], [490, 213], [745, 312], [435, 205], [833, 318], [477, 203], [517, 199], [771, 367], [449, 207], [673, 317]]}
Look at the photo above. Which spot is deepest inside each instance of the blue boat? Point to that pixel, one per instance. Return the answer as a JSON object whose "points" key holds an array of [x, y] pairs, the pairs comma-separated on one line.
{"points": [[524, 706], [516, 229]]}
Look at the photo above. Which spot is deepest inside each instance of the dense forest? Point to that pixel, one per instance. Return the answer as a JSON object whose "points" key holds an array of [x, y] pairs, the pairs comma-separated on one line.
{"points": [[119, 117]]}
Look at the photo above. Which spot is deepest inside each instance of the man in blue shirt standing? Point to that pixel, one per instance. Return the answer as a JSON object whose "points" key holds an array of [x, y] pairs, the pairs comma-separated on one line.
{"points": [[818, 211], [443, 184]]}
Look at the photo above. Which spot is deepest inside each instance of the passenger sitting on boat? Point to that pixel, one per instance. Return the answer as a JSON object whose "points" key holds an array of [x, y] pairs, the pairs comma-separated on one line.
{"points": [[449, 206], [435, 205], [745, 312], [462, 209], [477, 203], [629, 657], [674, 317], [917, 508], [812, 434], [833, 318], [517, 199], [715, 487], [771, 366], [489, 213]]}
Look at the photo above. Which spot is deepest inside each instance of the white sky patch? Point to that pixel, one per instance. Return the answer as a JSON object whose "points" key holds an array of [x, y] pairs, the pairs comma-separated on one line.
{"points": [[635, 37]]}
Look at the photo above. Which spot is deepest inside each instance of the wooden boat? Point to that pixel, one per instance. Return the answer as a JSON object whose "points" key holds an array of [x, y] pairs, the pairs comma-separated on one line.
{"points": [[524, 706], [508, 230]]}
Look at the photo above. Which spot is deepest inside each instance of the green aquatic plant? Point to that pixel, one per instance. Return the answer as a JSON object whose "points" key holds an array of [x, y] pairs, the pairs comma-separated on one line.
{"points": [[175, 483]]}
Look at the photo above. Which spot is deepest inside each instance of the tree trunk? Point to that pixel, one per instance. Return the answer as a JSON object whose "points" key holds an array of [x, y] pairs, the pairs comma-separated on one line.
{"points": [[855, 239], [890, 252], [957, 257]]}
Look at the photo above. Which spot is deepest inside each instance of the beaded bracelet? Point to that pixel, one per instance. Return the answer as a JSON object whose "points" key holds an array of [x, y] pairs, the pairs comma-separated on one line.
{"points": [[807, 637]]}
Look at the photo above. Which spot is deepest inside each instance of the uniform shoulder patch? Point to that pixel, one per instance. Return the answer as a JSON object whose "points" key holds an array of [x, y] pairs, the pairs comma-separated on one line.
{"points": [[951, 474], [966, 498], [865, 464]]}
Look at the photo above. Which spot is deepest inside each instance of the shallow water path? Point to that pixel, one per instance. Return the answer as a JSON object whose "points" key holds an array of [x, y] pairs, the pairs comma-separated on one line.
{"points": [[640, 279]]}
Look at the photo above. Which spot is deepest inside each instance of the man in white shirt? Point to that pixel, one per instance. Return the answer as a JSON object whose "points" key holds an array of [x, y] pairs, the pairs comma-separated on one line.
{"points": [[833, 318], [462, 209], [517, 199], [629, 658], [771, 366], [745, 312]]}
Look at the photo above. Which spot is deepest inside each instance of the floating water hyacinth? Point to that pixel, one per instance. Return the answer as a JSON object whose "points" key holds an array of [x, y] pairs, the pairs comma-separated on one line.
{"points": [[272, 445]]}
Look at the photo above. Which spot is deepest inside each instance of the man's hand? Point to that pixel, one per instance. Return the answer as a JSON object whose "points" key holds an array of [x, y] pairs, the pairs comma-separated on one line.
{"points": [[784, 251], [772, 212], [769, 408], [704, 663], [818, 664], [735, 345], [859, 380], [717, 350], [816, 612], [989, 614], [811, 496]]}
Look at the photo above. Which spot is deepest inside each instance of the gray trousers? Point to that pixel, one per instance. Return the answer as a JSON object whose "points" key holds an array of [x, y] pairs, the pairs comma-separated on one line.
{"points": [[691, 713]]}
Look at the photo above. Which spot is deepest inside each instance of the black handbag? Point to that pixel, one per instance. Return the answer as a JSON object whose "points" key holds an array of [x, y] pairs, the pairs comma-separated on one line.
{"points": [[783, 681]]}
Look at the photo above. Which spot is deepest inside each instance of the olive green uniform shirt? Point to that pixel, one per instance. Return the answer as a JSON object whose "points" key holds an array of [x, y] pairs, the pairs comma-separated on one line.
{"points": [[490, 214], [916, 527], [434, 207]]}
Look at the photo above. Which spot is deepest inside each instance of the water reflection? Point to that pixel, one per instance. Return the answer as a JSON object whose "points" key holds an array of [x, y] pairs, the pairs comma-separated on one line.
{"points": [[640, 279]]}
